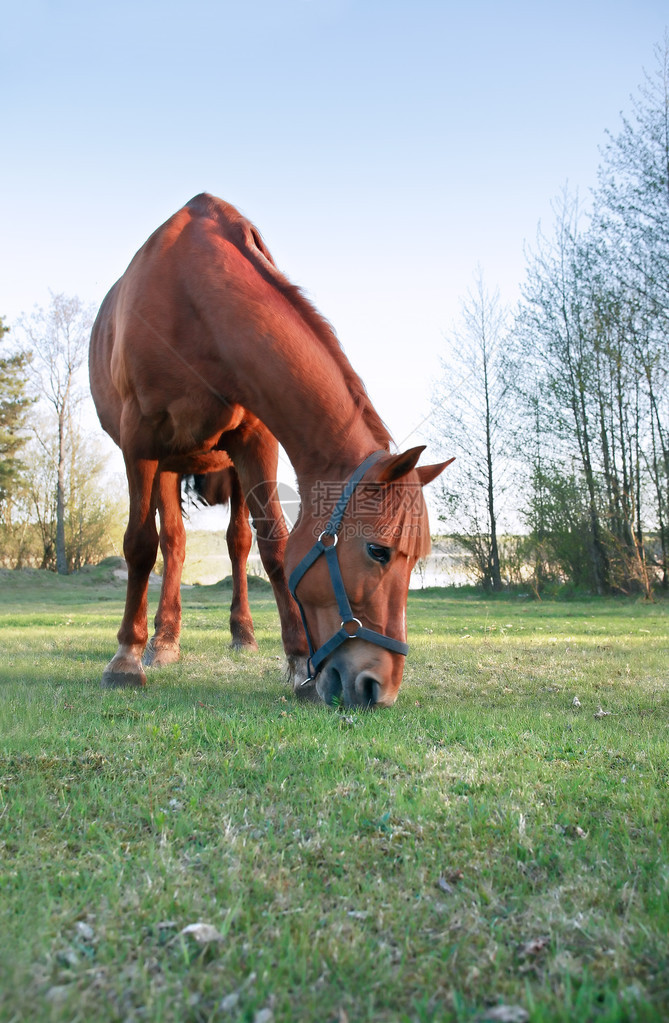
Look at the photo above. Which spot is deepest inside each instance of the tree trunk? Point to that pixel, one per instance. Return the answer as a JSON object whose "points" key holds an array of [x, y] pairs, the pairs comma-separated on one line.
{"points": [[61, 555], [495, 572], [664, 537], [598, 555]]}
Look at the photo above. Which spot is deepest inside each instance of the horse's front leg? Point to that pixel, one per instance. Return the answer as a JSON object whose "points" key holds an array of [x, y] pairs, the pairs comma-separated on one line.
{"points": [[255, 454], [239, 538], [163, 647], [140, 546]]}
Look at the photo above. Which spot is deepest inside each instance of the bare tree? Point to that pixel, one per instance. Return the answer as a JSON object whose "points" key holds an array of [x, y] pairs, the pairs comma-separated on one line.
{"points": [[470, 409], [58, 337]]}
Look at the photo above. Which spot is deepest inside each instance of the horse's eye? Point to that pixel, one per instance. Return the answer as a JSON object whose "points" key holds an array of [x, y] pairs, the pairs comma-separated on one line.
{"points": [[379, 553]]}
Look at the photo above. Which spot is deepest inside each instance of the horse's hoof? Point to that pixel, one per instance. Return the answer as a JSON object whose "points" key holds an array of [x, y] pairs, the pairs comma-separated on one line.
{"points": [[297, 675], [243, 637], [122, 680], [244, 644], [156, 656], [296, 669]]}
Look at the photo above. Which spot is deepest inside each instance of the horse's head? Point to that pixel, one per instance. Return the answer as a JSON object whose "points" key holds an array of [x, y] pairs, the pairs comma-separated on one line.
{"points": [[350, 557]]}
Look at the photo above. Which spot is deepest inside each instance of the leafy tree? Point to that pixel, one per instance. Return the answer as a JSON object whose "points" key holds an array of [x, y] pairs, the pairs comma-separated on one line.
{"points": [[583, 386], [555, 353], [590, 382], [92, 517], [632, 200], [632, 220], [559, 501], [14, 405]]}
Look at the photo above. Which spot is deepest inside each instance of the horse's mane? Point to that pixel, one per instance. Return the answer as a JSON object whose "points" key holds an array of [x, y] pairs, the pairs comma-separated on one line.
{"points": [[249, 241]]}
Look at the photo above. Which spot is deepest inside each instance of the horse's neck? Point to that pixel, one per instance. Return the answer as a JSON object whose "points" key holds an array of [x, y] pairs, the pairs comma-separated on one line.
{"points": [[325, 436], [300, 391]]}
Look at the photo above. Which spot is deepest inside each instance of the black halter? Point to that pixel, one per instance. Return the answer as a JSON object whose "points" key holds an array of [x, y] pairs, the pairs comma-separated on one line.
{"points": [[316, 657]]}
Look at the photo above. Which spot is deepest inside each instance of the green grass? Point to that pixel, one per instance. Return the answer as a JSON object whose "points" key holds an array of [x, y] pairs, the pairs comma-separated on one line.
{"points": [[484, 842]]}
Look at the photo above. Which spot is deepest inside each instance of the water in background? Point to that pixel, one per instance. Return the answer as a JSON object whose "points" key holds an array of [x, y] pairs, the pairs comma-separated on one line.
{"points": [[207, 560]]}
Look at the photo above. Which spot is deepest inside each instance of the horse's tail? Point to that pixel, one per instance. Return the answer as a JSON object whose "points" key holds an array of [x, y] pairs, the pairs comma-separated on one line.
{"points": [[193, 489], [210, 488]]}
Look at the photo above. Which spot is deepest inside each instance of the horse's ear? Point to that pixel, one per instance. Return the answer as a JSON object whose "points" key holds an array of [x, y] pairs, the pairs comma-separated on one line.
{"points": [[427, 473], [400, 465]]}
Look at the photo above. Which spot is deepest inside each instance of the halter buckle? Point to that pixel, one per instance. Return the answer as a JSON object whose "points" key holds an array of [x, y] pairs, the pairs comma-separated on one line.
{"points": [[351, 621]]}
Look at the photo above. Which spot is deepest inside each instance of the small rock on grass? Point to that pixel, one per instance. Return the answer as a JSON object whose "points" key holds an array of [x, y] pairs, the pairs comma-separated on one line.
{"points": [[57, 993], [504, 1014], [446, 881], [204, 934], [84, 931], [264, 1016], [230, 1002], [534, 947]]}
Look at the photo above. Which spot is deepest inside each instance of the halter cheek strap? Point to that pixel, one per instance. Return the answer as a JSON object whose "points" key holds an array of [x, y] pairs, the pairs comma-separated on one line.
{"points": [[329, 550]]}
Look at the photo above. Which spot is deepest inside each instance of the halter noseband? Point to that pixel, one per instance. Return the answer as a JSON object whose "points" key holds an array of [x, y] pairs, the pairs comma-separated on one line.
{"points": [[316, 657]]}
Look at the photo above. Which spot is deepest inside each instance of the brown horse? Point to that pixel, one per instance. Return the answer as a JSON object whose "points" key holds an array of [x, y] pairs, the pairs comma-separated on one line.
{"points": [[204, 354]]}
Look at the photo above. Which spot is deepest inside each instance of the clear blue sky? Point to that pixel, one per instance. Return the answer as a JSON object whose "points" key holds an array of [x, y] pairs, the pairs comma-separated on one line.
{"points": [[383, 148]]}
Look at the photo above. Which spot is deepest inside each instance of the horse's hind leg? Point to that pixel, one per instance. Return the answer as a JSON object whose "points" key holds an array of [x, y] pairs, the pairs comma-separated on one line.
{"points": [[140, 546], [163, 647], [239, 538]]}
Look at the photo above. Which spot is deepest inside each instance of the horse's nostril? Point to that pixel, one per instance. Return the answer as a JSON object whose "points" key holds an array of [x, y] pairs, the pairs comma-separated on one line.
{"points": [[330, 686], [368, 689]]}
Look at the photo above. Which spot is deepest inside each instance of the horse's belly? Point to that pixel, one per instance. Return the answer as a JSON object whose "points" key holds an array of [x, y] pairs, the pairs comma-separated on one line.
{"points": [[193, 423]]}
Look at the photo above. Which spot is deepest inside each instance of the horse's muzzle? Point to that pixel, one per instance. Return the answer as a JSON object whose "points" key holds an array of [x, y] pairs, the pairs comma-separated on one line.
{"points": [[338, 686]]}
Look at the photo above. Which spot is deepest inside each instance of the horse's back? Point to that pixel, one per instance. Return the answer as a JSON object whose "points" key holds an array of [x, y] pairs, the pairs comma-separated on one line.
{"points": [[150, 345]]}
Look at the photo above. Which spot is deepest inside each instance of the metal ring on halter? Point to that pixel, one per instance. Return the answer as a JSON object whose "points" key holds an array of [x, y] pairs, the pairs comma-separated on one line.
{"points": [[334, 536], [352, 635]]}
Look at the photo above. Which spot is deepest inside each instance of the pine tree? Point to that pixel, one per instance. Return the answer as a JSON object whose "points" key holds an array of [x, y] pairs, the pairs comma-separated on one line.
{"points": [[14, 405]]}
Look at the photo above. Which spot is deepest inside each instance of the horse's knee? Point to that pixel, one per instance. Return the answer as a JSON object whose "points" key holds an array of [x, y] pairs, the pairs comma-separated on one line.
{"points": [[173, 547], [140, 548], [272, 557], [239, 543]]}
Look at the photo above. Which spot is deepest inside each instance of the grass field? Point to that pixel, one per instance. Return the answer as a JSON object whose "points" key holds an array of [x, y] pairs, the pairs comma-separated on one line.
{"points": [[486, 850]]}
